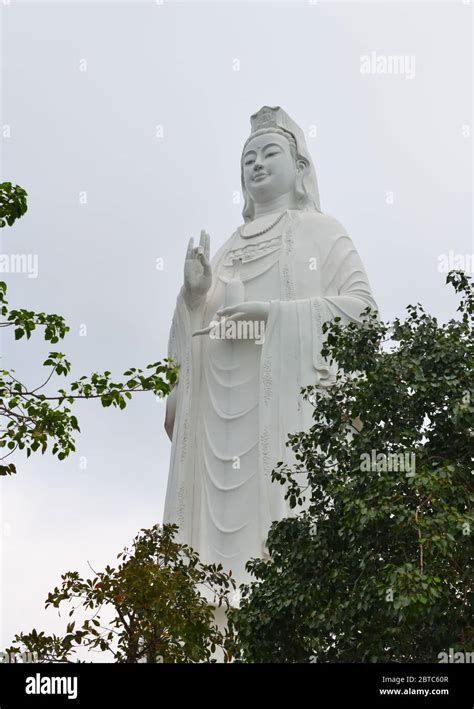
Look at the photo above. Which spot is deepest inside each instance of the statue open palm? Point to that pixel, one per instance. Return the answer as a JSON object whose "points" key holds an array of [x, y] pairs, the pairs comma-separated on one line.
{"points": [[197, 270]]}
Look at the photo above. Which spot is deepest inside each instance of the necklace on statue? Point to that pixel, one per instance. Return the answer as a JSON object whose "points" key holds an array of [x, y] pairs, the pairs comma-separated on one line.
{"points": [[263, 231]]}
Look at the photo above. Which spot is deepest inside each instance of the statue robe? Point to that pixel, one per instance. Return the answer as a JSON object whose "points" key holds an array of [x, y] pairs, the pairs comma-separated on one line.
{"points": [[237, 401]]}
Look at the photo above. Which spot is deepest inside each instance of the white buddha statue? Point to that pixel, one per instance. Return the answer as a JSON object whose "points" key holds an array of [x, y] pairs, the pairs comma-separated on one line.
{"points": [[286, 270]]}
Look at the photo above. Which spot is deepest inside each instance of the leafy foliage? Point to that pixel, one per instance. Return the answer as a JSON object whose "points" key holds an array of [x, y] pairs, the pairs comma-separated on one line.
{"points": [[376, 564], [30, 418], [12, 203], [158, 611]]}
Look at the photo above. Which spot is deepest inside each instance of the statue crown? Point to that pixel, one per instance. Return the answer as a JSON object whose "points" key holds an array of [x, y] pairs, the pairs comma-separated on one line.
{"points": [[264, 118]]}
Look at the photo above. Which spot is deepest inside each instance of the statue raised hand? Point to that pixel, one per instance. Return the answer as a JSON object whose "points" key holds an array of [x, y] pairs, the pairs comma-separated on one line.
{"points": [[197, 271]]}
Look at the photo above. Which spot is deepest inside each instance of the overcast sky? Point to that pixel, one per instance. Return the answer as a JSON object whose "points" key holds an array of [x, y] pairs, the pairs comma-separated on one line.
{"points": [[125, 121]]}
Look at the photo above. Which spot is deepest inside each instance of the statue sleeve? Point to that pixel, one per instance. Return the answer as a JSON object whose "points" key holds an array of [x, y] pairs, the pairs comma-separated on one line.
{"points": [[345, 294], [291, 355], [179, 493]]}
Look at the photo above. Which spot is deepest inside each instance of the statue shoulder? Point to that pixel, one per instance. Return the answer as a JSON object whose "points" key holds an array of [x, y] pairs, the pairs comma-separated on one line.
{"points": [[321, 225], [321, 230]]}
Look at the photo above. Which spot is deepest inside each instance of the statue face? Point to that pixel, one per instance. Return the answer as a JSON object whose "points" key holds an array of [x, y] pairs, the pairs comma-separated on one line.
{"points": [[269, 167]]}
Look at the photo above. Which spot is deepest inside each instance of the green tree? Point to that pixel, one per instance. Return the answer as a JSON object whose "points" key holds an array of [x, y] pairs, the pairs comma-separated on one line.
{"points": [[376, 565], [32, 417], [159, 613], [13, 203]]}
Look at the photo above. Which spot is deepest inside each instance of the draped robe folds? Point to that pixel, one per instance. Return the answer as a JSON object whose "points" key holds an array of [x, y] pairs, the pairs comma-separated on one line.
{"points": [[237, 401]]}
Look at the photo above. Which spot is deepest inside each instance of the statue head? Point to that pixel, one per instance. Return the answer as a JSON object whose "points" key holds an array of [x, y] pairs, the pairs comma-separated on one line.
{"points": [[275, 161]]}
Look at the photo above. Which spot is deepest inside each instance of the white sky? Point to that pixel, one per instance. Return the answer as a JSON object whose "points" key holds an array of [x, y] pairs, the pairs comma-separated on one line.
{"points": [[174, 65]]}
